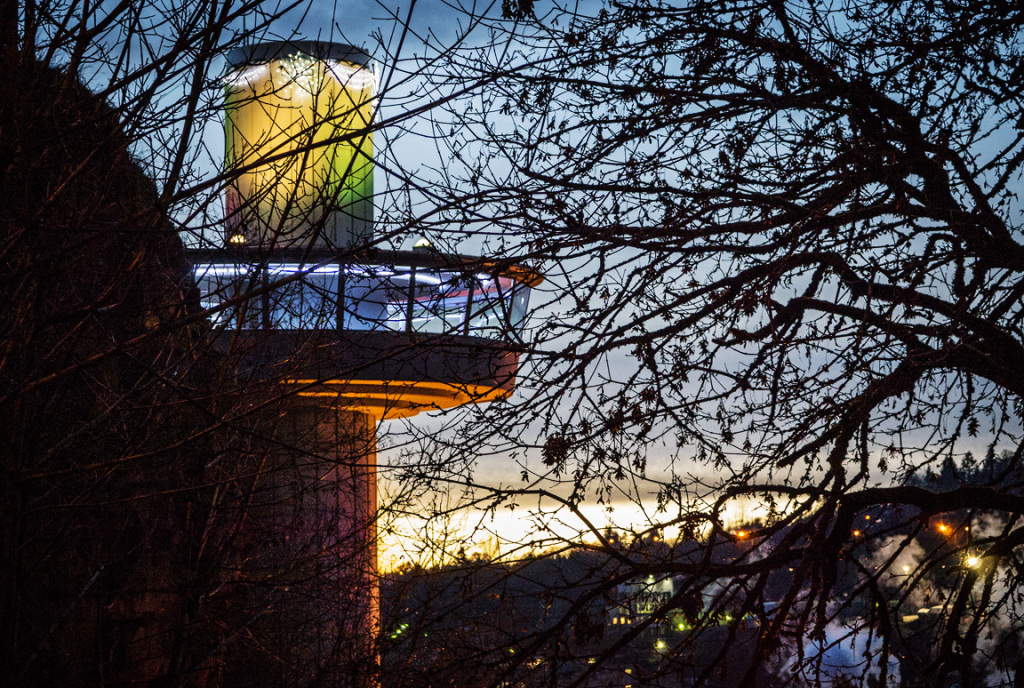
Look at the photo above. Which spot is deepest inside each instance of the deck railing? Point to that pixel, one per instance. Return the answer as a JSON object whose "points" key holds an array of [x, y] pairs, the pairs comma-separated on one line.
{"points": [[396, 291]]}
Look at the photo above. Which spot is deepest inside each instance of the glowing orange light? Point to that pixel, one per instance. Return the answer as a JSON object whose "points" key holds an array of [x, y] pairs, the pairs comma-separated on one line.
{"points": [[867, 517], [741, 534], [856, 533], [943, 528]]}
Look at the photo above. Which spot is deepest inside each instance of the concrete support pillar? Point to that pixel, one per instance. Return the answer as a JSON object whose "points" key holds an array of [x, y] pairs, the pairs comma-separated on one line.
{"points": [[312, 553]]}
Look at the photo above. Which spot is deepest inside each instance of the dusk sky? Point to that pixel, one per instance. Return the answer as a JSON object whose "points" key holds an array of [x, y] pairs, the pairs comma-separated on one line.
{"points": [[377, 27]]}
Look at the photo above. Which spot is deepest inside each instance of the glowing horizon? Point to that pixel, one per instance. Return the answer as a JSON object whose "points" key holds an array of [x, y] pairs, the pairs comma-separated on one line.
{"points": [[512, 535]]}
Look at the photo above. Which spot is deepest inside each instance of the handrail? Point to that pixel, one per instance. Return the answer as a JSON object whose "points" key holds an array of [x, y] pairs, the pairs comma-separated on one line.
{"points": [[254, 255], [403, 291]]}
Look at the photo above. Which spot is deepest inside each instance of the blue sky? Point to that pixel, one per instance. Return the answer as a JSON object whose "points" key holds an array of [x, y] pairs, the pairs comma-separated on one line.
{"points": [[368, 23]]}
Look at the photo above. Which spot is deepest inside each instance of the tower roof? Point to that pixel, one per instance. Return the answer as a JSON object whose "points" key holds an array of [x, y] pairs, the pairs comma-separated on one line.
{"points": [[265, 52]]}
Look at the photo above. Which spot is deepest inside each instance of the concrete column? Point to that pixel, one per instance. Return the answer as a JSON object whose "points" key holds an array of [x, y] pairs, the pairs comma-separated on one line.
{"points": [[312, 554]]}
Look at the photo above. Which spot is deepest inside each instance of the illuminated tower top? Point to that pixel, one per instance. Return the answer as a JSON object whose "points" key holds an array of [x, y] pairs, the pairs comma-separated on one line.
{"points": [[300, 294], [299, 145]]}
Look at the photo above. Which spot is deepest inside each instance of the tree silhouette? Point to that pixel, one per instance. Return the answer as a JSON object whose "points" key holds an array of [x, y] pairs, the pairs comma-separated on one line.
{"points": [[788, 246], [782, 263]]}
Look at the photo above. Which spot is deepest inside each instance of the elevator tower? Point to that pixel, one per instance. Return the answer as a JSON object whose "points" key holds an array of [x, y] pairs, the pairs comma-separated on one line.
{"points": [[335, 334]]}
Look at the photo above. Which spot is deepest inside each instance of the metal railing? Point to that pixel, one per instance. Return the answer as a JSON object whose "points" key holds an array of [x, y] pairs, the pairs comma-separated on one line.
{"points": [[396, 291]]}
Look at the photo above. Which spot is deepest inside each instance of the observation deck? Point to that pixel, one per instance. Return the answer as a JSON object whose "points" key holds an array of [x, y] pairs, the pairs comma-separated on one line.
{"points": [[390, 333]]}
